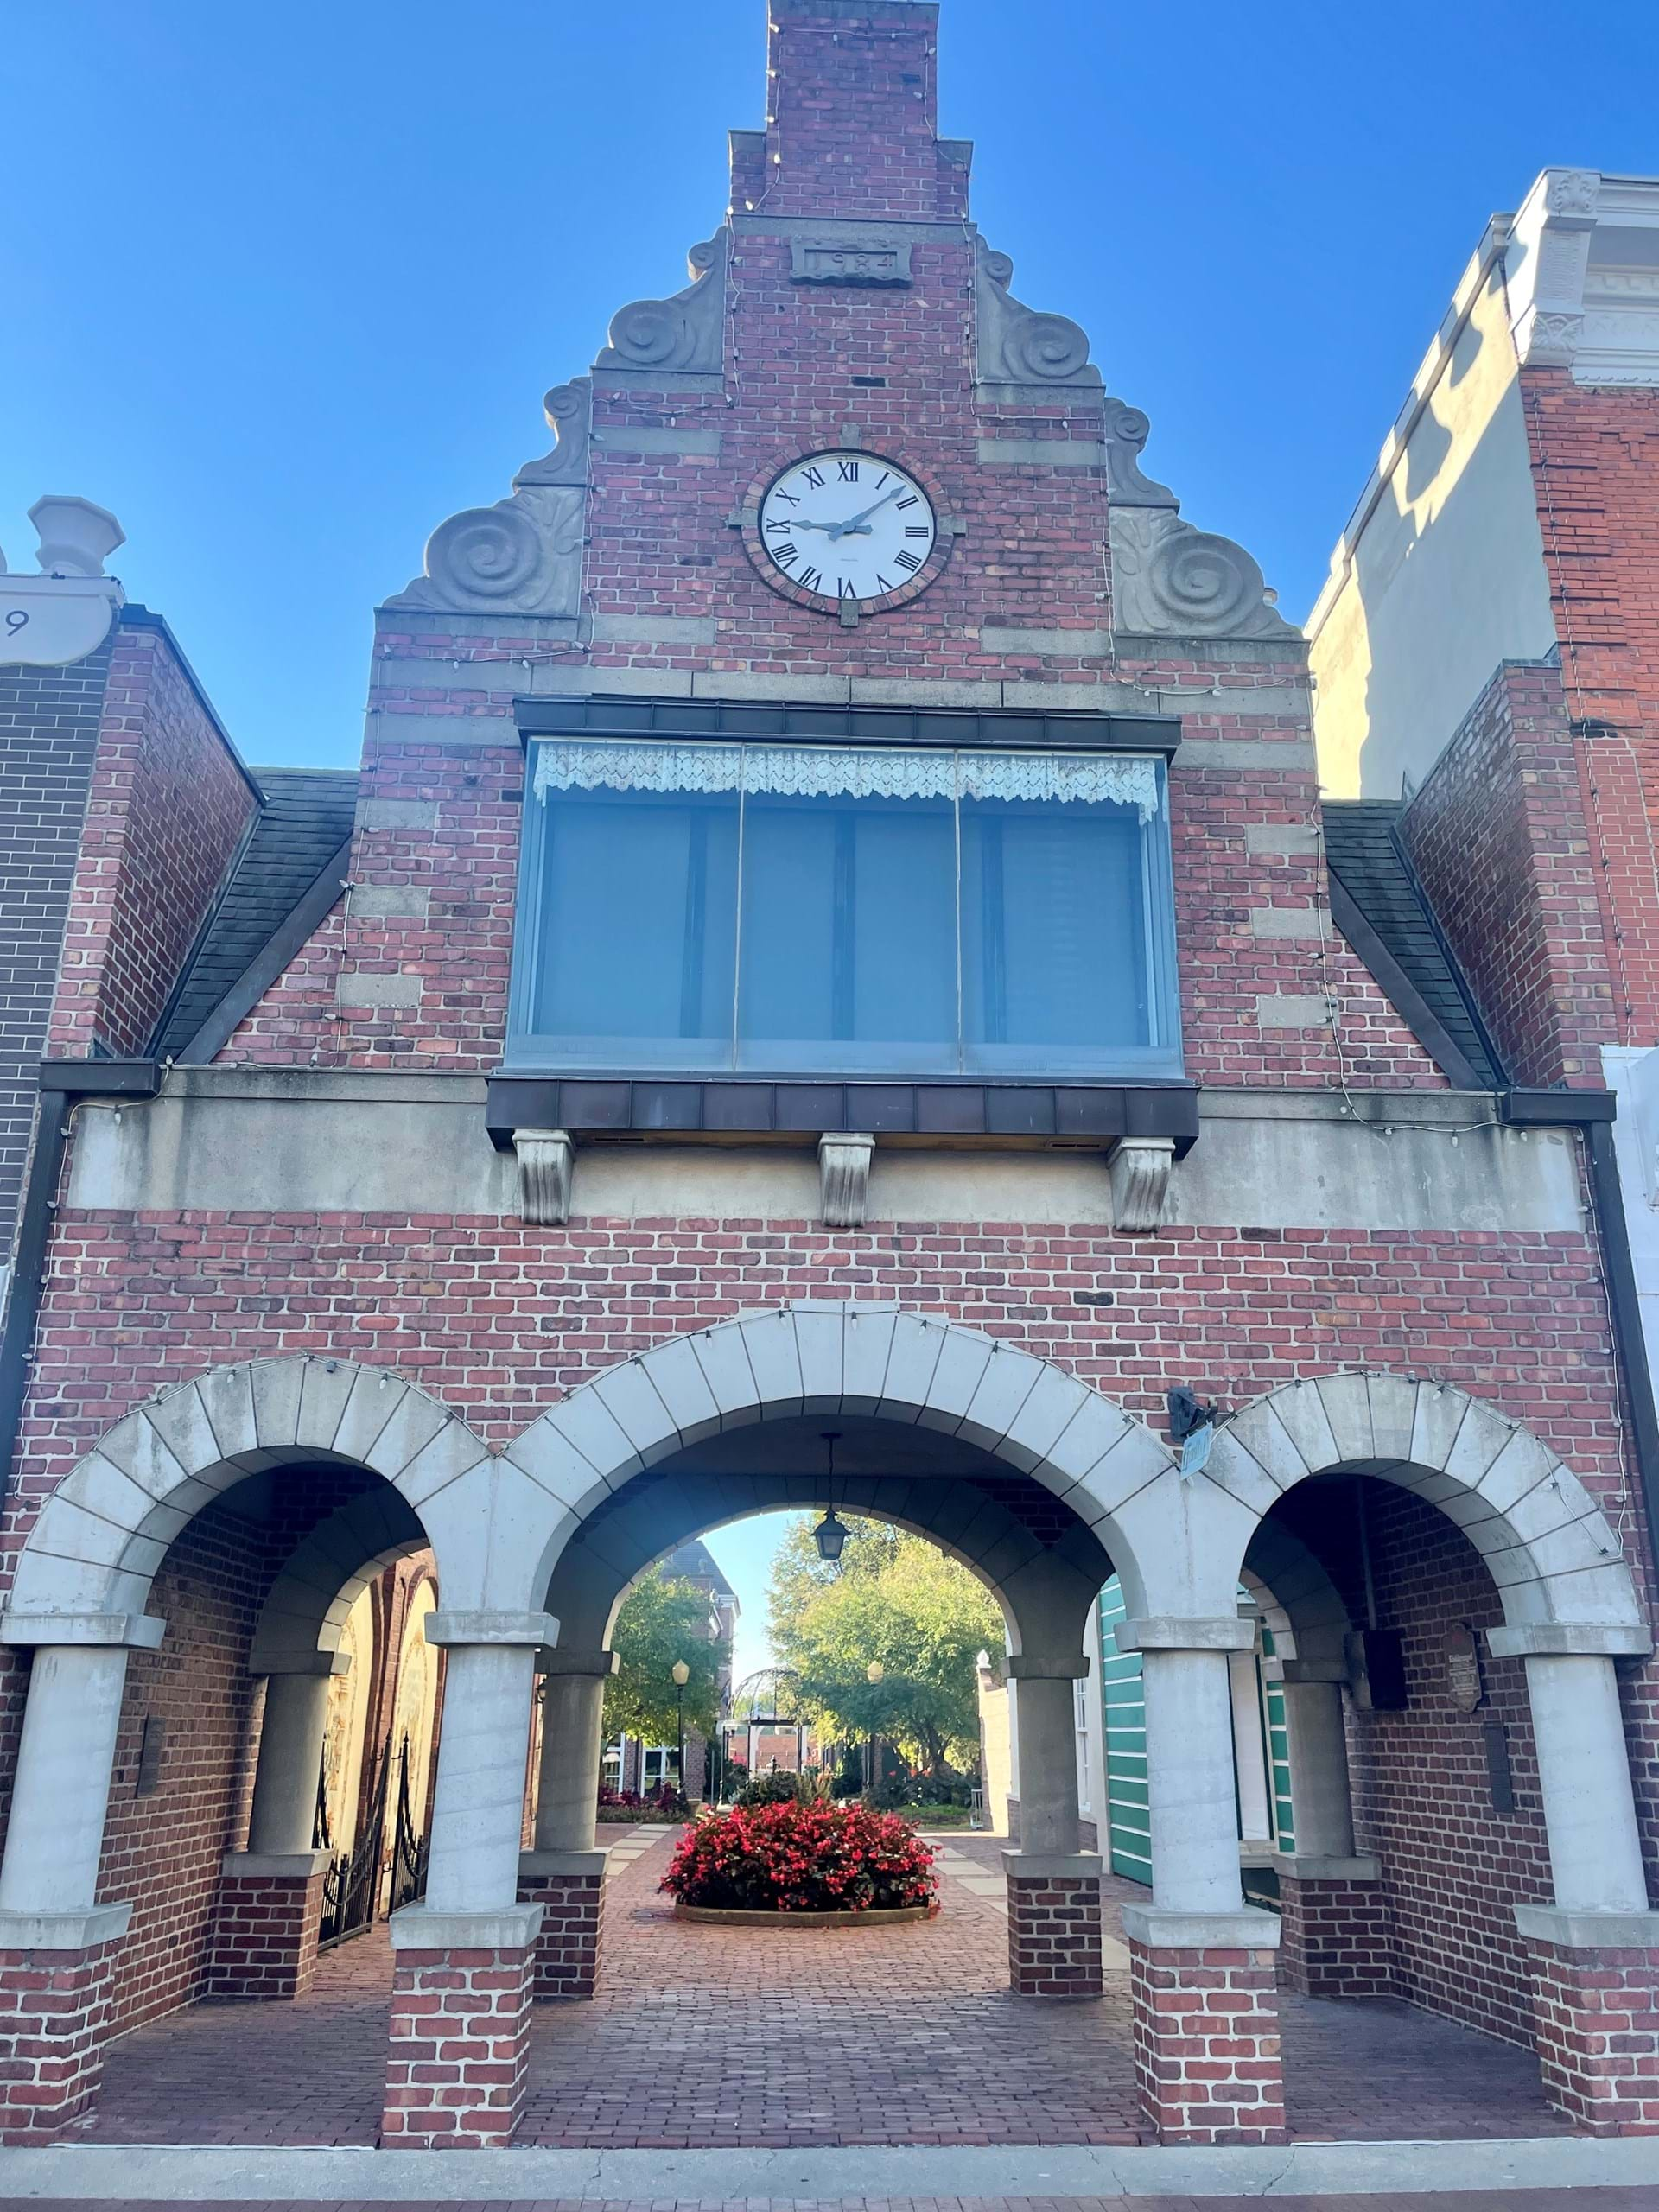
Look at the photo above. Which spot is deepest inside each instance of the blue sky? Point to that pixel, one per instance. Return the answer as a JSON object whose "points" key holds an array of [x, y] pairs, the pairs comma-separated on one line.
{"points": [[284, 287]]}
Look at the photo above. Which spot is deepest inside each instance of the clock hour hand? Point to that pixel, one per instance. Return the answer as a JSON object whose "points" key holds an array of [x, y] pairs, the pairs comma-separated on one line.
{"points": [[835, 529]]}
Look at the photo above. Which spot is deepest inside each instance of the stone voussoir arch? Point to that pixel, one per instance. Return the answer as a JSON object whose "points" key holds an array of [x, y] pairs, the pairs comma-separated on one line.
{"points": [[1549, 1548], [853, 1357], [98, 1540]]}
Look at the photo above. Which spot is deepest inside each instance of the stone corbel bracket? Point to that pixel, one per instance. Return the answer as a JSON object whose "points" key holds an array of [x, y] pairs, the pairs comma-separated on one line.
{"points": [[546, 1164], [844, 1179], [684, 333], [1169, 580], [1139, 1168], [1016, 345]]}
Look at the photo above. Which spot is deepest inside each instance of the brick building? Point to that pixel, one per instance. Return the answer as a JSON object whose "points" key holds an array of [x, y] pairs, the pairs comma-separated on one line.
{"points": [[838, 924]]}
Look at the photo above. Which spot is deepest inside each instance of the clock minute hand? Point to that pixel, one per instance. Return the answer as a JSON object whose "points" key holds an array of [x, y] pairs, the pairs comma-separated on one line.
{"points": [[856, 522]]}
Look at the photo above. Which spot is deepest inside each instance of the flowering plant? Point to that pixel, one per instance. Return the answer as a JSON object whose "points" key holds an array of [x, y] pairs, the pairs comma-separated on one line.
{"points": [[662, 1802], [791, 1858]]}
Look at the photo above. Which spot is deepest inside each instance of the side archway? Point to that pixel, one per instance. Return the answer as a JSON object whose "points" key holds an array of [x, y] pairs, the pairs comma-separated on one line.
{"points": [[1545, 1543], [99, 1539]]}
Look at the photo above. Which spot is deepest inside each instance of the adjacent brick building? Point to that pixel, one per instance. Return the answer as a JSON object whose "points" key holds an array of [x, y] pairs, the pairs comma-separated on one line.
{"points": [[839, 925]]}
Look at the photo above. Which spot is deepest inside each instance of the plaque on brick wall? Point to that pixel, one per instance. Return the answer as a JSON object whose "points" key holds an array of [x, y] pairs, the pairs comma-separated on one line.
{"points": [[1463, 1682], [874, 261], [151, 1745]]}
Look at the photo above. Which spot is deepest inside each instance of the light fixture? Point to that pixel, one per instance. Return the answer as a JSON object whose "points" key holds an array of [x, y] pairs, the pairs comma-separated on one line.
{"points": [[681, 1673], [830, 1534], [874, 1672]]}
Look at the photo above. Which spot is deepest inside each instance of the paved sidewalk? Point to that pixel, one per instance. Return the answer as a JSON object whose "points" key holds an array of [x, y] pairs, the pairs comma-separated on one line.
{"points": [[704, 2038], [1542, 2199]]}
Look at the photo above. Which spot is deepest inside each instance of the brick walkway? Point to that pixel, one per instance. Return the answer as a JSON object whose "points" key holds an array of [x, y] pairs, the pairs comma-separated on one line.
{"points": [[705, 2037]]}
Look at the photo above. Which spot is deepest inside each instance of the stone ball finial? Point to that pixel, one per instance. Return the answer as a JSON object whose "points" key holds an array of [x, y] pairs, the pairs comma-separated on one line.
{"points": [[76, 536]]}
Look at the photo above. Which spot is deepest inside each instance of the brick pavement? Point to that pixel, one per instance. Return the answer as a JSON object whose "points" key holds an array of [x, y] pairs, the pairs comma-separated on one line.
{"points": [[705, 2037]]}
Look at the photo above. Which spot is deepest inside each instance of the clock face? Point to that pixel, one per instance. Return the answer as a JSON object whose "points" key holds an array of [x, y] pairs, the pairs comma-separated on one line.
{"points": [[846, 526]]}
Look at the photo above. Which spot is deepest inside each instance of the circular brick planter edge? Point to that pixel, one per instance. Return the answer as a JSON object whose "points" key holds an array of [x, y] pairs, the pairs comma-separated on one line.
{"points": [[730, 1916]]}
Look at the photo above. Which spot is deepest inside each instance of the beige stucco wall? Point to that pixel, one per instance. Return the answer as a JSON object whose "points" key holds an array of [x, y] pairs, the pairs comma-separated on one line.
{"points": [[1442, 574]]}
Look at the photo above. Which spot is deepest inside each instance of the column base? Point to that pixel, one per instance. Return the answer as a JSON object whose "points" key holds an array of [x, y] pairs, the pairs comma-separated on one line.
{"points": [[1338, 1929], [457, 2058], [1596, 2009], [1205, 2004], [1053, 1924], [569, 1887], [56, 1974], [265, 1924]]}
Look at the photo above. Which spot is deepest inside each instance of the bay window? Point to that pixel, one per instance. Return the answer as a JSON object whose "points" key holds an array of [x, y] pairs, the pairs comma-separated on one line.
{"points": [[789, 909]]}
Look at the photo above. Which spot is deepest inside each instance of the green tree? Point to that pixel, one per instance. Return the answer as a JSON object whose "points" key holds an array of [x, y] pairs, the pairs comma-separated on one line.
{"points": [[663, 1618], [896, 1598]]}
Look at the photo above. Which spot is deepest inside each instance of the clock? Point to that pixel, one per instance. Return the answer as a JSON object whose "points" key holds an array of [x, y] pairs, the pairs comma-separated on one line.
{"points": [[846, 532]]}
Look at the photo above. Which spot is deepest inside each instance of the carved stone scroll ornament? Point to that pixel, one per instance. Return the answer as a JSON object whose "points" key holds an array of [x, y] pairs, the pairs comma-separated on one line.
{"points": [[521, 556], [570, 411], [1140, 1170], [1173, 580], [687, 332], [1016, 344], [1126, 431]]}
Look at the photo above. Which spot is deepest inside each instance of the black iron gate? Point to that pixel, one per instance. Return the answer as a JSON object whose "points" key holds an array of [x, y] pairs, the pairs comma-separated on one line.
{"points": [[352, 1885]]}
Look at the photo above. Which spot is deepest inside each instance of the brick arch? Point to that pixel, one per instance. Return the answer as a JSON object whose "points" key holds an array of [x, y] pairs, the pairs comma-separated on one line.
{"points": [[1546, 1545], [99, 1538], [854, 1358], [1044, 1591]]}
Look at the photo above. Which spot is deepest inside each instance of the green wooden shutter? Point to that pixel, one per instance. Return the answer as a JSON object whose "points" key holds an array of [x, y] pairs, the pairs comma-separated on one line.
{"points": [[1278, 1731], [1128, 1821]]}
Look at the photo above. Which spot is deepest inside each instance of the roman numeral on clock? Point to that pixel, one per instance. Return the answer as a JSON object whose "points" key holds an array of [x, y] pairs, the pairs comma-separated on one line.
{"points": [[911, 529], [845, 589], [910, 562], [847, 471], [810, 579], [910, 502], [789, 496], [779, 529], [815, 477], [783, 554]]}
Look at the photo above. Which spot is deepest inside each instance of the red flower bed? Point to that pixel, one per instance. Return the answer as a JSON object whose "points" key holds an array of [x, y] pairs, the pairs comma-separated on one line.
{"points": [[803, 1858]]}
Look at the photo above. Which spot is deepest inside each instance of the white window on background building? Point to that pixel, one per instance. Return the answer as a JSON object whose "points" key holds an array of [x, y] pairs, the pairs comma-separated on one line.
{"points": [[794, 909]]}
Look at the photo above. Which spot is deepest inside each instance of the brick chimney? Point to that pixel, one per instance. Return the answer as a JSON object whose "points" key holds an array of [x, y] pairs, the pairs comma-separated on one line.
{"points": [[852, 117]]}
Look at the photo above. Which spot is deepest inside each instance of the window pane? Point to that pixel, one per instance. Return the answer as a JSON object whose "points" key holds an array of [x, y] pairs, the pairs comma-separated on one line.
{"points": [[848, 934], [638, 911], [1053, 932]]}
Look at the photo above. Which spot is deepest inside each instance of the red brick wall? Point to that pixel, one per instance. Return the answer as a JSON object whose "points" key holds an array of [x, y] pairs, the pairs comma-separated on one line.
{"points": [[168, 807], [1499, 835], [1595, 455]]}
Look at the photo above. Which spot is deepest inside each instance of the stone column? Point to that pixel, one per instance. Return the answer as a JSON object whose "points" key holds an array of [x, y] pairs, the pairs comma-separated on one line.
{"points": [[565, 1872], [1595, 1950], [1053, 1887], [1204, 1999], [268, 1912], [1337, 1929], [463, 1959], [57, 1946]]}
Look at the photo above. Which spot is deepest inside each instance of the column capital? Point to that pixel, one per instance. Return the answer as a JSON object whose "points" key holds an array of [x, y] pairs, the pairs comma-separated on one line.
{"points": [[1572, 1640], [1173, 1632], [534, 1629], [557, 1660], [554, 1866], [275, 1866], [1159, 1930], [1025, 1668], [116, 1632], [1053, 1866]]}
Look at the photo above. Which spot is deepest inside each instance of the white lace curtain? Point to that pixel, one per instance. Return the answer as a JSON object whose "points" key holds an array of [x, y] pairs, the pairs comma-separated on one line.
{"points": [[814, 771]]}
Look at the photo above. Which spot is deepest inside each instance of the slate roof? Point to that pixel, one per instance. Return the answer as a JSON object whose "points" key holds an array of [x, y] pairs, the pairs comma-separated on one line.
{"points": [[307, 817], [1365, 857]]}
